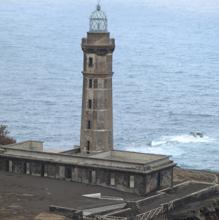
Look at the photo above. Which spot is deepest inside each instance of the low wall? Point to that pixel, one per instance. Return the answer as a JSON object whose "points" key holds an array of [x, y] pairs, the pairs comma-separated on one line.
{"points": [[121, 213], [148, 200], [68, 212], [27, 145]]}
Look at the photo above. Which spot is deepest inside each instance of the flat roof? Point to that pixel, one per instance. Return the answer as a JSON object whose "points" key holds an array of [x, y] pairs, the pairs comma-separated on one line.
{"points": [[129, 156], [117, 160]]}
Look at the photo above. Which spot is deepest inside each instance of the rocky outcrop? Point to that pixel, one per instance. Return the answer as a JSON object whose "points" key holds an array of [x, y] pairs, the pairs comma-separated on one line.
{"points": [[203, 210], [181, 175]]}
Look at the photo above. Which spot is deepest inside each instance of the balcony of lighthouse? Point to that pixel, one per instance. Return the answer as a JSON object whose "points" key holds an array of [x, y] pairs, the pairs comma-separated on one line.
{"points": [[98, 43]]}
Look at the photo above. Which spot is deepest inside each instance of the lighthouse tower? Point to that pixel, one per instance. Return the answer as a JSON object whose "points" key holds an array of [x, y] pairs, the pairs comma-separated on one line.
{"points": [[97, 114]]}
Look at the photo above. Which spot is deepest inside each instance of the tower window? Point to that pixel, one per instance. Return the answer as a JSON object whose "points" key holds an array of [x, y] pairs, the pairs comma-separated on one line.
{"points": [[89, 103], [90, 83], [88, 147], [89, 124], [90, 63]]}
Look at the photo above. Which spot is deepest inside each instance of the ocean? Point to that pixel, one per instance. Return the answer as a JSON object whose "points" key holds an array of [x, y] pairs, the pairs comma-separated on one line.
{"points": [[165, 83]]}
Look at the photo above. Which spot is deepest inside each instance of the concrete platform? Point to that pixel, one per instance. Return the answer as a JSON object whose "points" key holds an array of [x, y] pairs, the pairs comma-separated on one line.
{"points": [[176, 192], [25, 197], [29, 197]]}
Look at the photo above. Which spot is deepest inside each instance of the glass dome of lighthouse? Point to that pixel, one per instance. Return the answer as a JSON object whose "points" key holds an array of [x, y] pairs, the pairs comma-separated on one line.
{"points": [[98, 21]]}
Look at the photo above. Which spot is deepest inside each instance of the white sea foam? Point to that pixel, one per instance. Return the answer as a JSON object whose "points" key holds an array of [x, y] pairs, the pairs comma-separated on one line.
{"points": [[184, 138]]}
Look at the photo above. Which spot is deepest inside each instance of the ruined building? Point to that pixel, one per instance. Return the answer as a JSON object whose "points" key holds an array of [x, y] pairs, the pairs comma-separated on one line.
{"points": [[95, 162]]}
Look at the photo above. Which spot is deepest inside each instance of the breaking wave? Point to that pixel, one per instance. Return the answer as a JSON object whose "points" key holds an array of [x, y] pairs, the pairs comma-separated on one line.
{"points": [[184, 139]]}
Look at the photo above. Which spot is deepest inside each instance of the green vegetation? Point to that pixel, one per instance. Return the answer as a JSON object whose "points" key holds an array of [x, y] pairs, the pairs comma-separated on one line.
{"points": [[4, 136]]}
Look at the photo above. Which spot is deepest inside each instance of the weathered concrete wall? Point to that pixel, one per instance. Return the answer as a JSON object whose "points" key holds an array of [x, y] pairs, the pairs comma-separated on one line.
{"points": [[166, 178], [19, 166], [4, 164], [51, 170], [134, 156], [68, 212], [127, 212], [60, 172], [139, 184], [27, 145], [36, 169], [85, 175], [152, 182], [103, 177], [122, 180], [76, 150], [75, 174], [97, 114]]}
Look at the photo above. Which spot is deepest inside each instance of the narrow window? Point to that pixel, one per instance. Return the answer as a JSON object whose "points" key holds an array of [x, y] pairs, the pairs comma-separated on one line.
{"points": [[90, 83], [132, 182], [90, 63], [68, 172], [112, 179], [96, 83], [89, 124], [89, 103], [88, 147]]}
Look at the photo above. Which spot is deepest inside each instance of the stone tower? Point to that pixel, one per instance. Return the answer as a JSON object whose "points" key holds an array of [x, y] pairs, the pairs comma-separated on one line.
{"points": [[97, 114]]}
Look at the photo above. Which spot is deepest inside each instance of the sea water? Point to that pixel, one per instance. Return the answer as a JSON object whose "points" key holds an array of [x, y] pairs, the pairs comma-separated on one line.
{"points": [[165, 82]]}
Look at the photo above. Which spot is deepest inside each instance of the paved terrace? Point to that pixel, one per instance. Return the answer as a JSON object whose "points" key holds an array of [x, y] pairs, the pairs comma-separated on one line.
{"points": [[23, 197]]}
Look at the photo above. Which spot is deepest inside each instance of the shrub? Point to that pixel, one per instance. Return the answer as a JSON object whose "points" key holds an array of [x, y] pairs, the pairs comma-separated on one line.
{"points": [[4, 136]]}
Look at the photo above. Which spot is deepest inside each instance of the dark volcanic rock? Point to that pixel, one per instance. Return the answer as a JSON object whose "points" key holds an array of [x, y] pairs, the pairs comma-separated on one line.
{"points": [[204, 210]]}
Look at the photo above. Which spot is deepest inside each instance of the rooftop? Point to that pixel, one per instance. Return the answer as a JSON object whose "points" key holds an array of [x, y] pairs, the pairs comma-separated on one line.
{"points": [[116, 160]]}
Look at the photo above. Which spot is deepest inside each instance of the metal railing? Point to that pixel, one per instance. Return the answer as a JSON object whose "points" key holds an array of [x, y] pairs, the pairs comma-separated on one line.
{"points": [[161, 210], [104, 218]]}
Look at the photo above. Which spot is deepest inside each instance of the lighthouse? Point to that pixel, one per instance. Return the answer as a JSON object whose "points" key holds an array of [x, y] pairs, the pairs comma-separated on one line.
{"points": [[97, 112]]}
